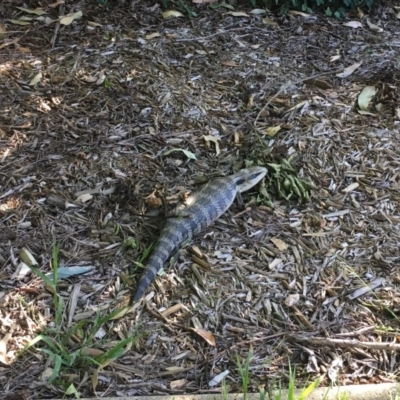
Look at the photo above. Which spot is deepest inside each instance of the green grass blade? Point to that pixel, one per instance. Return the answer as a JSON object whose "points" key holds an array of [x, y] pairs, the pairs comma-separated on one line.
{"points": [[43, 277], [54, 258], [72, 331], [45, 339], [56, 369], [306, 391], [116, 351]]}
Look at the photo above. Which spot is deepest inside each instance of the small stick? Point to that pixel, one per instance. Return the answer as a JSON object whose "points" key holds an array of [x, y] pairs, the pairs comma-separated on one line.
{"points": [[163, 216], [290, 84], [57, 27]]}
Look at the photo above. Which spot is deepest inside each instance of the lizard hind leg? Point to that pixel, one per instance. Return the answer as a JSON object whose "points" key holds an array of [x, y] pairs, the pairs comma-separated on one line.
{"points": [[176, 252]]}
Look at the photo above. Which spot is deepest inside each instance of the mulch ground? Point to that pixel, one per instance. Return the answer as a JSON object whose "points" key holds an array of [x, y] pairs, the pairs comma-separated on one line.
{"points": [[101, 117]]}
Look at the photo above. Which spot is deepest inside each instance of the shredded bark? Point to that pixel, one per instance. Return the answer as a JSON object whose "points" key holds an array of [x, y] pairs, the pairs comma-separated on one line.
{"points": [[89, 115]]}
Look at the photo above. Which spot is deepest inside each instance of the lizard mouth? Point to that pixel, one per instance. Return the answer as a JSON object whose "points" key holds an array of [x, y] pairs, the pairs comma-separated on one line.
{"points": [[249, 178]]}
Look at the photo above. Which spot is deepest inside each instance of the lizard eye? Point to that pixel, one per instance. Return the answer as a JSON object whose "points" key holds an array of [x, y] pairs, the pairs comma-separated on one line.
{"points": [[253, 176], [240, 181]]}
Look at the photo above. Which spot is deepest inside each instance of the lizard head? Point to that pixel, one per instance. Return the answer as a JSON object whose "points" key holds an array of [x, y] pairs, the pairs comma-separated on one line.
{"points": [[247, 178]]}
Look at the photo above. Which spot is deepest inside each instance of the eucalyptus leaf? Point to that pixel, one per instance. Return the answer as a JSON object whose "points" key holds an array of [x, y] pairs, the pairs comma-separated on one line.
{"points": [[187, 153]]}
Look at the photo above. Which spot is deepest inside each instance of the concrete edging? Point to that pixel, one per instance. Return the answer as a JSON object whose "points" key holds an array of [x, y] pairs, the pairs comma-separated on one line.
{"points": [[382, 391]]}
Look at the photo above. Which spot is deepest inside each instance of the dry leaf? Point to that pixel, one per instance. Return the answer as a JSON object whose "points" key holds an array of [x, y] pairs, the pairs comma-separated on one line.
{"points": [[14, 42], [152, 35], [57, 3], [365, 97], [154, 8], [298, 105], [210, 138], [46, 374], [178, 383], [353, 24], [3, 348], [229, 64], [27, 257], [349, 70], [351, 187], [207, 336], [153, 201], [174, 369], [21, 271], [218, 378], [258, 11], [272, 131], [36, 79], [365, 289], [359, 13], [94, 379], [94, 24], [101, 78], [204, 1], [36, 11], [165, 98], [280, 244], [91, 352], [302, 14], [172, 310], [274, 264], [171, 13], [3, 31], [292, 299], [18, 22], [89, 79], [83, 198], [237, 13], [268, 21], [319, 83], [362, 112], [373, 27], [68, 19], [46, 20]]}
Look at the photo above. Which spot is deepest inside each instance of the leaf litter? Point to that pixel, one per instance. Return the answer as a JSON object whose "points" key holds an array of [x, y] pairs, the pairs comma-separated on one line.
{"points": [[312, 282]]}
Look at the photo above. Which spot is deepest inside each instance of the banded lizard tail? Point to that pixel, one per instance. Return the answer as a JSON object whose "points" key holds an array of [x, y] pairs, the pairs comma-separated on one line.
{"points": [[199, 210]]}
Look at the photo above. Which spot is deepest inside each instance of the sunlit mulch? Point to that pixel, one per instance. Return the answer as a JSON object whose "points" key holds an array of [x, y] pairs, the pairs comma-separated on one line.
{"points": [[315, 284]]}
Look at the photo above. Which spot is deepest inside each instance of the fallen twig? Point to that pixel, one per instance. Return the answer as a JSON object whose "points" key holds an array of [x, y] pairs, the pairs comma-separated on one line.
{"points": [[290, 84], [346, 343]]}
